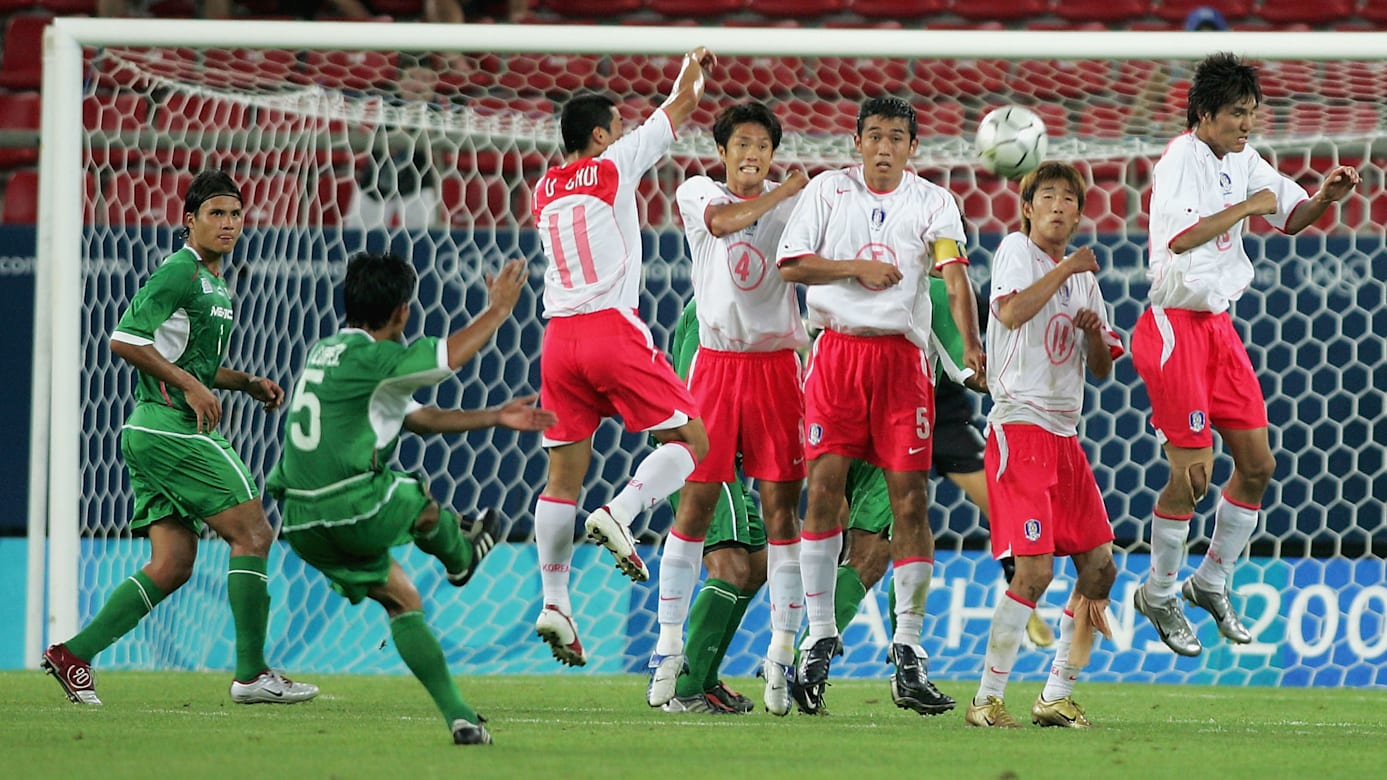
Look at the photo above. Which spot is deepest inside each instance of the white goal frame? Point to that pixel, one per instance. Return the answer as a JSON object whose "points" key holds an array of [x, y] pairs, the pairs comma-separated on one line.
{"points": [[55, 443]]}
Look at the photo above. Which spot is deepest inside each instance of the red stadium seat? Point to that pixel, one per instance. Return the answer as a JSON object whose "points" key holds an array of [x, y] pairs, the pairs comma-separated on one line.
{"points": [[758, 77], [151, 198], [22, 66], [820, 117], [334, 198], [1058, 79], [21, 112], [356, 70], [550, 73], [480, 201], [1105, 206], [855, 78], [694, 8], [253, 66], [958, 78], [1301, 12], [1101, 10], [641, 75], [898, 9], [1373, 11], [1055, 116], [66, 7], [999, 9], [595, 8], [796, 8], [533, 107], [1104, 121], [22, 198], [652, 202], [1177, 10], [271, 201], [115, 113], [991, 205], [181, 111], [940, 117]]}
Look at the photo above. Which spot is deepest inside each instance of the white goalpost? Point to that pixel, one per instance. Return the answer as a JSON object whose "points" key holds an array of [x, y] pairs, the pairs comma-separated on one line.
{"points": [[424, 139]]}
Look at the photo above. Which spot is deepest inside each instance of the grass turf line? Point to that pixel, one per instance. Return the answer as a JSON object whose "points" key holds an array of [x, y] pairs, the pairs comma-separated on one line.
{"points": [[576, 726]]}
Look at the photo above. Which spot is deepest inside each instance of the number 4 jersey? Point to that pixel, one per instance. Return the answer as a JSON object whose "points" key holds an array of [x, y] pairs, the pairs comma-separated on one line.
{"points": [[348, 407], [743, 303]]}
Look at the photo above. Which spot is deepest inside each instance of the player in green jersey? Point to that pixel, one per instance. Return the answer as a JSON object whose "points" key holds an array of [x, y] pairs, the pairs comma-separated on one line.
{"points": [[344, 507], [183, 472]]}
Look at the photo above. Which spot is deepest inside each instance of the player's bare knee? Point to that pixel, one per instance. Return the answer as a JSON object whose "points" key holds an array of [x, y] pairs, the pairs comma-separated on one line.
{"points": [[1256, 473], [1097, 579], [735, 570], [169, 573], [1033, 577], [427, 519]]}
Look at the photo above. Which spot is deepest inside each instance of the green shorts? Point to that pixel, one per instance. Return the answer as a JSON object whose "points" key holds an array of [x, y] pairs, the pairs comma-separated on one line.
{"points": [[176, 472], [346, 531], [869, 506], [736, 520]]}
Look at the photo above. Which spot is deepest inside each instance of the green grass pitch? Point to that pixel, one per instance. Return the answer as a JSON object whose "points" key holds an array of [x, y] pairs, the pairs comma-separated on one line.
{"points": [[570, 726]]}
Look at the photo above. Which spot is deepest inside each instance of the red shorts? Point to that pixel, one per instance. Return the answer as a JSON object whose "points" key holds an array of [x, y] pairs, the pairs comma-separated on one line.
{"points": [[604, 364], [1197, 374], [1041, 495], [869, 398], [751, 403]]}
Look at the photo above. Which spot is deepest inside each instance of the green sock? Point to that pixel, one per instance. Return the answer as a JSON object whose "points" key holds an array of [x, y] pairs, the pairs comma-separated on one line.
{"points": [[446, 543], [847, 597], [891, 603], [712, 608], [419, 648], [734, 622], [129, 602], [247, 588]]}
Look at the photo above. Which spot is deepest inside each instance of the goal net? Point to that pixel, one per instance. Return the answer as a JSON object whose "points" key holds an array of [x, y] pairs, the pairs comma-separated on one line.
{"points": [[406, 139]]}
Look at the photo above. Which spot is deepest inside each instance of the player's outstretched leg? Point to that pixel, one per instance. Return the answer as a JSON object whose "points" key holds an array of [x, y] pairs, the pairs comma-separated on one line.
{"points": [[911, 688], [1169, 621], [483, 532], [614, 533], [72, 673], [556, 627]]}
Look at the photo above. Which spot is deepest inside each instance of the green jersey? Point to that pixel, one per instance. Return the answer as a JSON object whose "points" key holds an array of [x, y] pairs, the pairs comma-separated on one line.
{"points": [[348, 408], [185, 312], [684, 342]]}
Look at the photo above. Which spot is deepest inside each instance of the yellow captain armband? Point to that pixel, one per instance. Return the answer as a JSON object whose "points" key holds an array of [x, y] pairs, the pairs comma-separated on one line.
{"points": [[946, 251]]}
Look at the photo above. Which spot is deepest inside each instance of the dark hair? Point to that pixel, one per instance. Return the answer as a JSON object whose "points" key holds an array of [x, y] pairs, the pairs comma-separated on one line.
{"points": [[204, 187], [1220, 80], [887, 108], [750, 112], [1047, 172], [376, 285], [581, 115]]}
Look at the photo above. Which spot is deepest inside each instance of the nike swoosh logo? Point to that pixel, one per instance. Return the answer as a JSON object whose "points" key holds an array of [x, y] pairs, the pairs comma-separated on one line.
{"points": [[916, 450], [797, 461], [995, 670], [815, 595], [669, 598], [793, 605]]}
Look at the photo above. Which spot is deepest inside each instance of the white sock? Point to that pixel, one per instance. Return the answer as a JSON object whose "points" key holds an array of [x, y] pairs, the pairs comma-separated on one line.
{"points": [[1003, 643], [662, 473], [554, 542], [787, 599], [1168, 536], [1062, 677], [1234, 525], [912, 578], [680, 562], [818, 561]]}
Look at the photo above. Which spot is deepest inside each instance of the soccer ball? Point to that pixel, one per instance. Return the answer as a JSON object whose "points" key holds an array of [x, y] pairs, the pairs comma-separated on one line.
{"points": [[1011, 141]]}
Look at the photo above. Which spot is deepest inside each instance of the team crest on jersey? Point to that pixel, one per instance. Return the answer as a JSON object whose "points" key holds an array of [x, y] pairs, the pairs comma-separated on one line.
{"points": [[1197, 421], [1225, 182], [1031, 529], [206, 287], [878, 217], [816, 434]]}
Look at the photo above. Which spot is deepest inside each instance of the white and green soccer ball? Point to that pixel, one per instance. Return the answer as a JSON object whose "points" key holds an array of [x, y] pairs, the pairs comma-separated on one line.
{"points": [[1011, 141]]}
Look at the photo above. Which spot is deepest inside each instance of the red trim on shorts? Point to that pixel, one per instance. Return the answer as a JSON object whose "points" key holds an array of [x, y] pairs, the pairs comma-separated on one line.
{"points": [[918, 559], [682, 537], [1181, 518], [810, 536], [553, 500], [1253, 507], [1021, 601], [779, 542]]}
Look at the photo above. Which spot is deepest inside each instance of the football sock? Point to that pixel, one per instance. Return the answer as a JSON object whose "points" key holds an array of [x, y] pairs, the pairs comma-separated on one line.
{"points": [[129, 602], [680, 562], [419, 649], [661, 473], [734, 622], [247, 587], [818, 558], [554, 544], [708, 619], [783, 570], [847, 597], [1062, 677], [1233, 527], [912, 578], [446, 543], [1003, 643], [1168, 536]]}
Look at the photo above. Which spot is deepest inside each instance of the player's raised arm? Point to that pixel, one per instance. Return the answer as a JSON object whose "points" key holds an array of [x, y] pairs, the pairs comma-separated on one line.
{"points": [[1338, 183], [518, 414], [727, 218], [503, 290], [688, 86]]}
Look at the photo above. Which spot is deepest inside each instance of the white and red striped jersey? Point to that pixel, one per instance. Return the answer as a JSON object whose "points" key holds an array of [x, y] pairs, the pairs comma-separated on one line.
{"points": [[586, 215], [744, 305], [838, 217], [1036, 372], [1189, 183]]}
